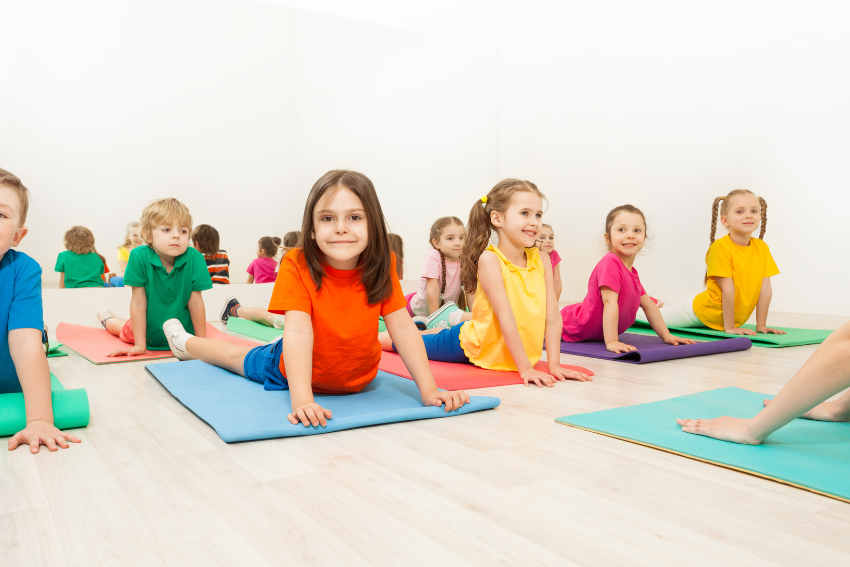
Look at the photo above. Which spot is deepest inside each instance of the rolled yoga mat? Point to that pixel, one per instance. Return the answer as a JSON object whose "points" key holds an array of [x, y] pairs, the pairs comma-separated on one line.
{"points": [[812, 455], [795, 337], [252, 329], [653, 349], [70, 409], [94, 343], [463, 376], [240, 409]]}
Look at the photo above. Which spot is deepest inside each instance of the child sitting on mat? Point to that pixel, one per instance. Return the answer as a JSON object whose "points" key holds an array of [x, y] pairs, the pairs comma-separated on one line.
{"points": [[167, 277], [332, 290], [23, 366], [206, 241], [80, 265], [132, 239], [825, 374], [546, 243], [264, 268], [439, 283], [614, 291], [739, 269], [514, 307]]}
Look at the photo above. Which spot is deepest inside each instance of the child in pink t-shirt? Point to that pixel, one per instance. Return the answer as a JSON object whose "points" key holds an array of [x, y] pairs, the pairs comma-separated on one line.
{"points": [[264, 268], [439, 287], [546, 243], [614, 291]]}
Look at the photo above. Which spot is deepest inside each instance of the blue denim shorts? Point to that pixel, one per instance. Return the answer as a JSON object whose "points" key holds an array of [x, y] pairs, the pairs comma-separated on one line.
{"points": [[445, 345], [262, 364]]}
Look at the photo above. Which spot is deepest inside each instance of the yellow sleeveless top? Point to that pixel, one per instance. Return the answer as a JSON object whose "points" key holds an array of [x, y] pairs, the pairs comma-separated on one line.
{"points": [[482, 339]]}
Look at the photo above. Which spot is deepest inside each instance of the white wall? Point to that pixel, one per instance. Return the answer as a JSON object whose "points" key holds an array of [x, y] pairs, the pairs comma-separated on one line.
{"points": [[235, 108]]}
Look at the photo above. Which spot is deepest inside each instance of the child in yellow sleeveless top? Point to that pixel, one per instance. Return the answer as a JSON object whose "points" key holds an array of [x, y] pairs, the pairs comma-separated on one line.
{"points": [[739, 268], [515, 306]]}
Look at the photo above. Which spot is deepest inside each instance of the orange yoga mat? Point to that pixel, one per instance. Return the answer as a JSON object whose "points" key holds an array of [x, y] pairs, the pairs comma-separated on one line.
{"points": [[463, 376], [94, 343]]}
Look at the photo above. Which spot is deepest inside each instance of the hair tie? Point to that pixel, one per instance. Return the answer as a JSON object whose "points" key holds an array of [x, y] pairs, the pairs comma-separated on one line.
{"points": [[484, 199]]}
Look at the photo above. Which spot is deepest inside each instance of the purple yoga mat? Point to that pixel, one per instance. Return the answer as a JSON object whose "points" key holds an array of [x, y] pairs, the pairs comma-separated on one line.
{"points": [[653, 349]]}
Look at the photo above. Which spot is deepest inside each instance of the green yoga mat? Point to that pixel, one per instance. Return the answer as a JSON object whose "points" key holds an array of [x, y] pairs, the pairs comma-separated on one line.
{"points": [[70, 409], [252, 329], [812, 455], [56, 351], [795, 337]]}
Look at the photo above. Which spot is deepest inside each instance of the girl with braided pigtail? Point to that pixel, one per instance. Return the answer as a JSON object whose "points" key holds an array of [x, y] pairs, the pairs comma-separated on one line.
{"points": [[515, 306], [739, 268]]}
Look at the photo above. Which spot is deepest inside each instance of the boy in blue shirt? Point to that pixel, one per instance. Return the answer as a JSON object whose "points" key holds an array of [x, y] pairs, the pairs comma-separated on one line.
{"points": [[23, 366]]}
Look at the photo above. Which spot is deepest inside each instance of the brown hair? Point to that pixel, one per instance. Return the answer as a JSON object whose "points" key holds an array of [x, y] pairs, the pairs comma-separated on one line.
{"points": [[206, 240], [269, 245], [127, 243], [13, 182], [480, 226], [79, 240], [164, 211], [612, 216], [436, 232], [291, 238], [376, 260], [720, 207], [397, 247]]}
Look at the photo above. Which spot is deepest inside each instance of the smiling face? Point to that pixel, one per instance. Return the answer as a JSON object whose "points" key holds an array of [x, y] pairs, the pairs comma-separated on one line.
{"points": [[520, 223], [11, 233], [170, 240], [450, 241], [341, 231], [546, 239], [135, 236], [743, 215], [627, 235]]}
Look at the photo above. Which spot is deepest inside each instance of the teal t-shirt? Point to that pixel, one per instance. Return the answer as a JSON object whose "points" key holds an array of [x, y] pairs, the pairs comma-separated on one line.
{"points": [[167, 294], [81, 270]]}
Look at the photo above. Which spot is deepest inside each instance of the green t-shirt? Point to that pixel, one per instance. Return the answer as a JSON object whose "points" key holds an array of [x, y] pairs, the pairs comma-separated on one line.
{"points": [[168, 294], [81, 270]]}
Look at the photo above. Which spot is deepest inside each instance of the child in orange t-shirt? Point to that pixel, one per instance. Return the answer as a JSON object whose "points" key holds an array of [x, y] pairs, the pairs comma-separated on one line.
{"points": [[332, 291]]}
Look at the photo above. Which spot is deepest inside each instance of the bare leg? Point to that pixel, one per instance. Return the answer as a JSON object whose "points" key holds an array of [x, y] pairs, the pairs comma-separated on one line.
{"points": [[467, 316], [218, 353], [826, 373], [256, 314], [386, 341], [838, 410], [114, 325]]}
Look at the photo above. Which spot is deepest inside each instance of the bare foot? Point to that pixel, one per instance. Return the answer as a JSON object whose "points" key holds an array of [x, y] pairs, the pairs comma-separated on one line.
{"points": [[827, 411], [732, 429]]}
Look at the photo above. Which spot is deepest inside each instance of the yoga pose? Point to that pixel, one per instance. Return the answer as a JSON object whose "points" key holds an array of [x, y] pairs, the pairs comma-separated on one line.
{"points": [[825, 374], [737, 278], [614, 291], [332, 290], [167, 277], [546, 243], [515, 306]]}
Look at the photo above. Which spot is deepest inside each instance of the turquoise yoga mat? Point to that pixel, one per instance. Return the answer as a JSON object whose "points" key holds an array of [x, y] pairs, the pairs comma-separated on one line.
{"points": [[252, 329], [812, 455], [70, 409], [795, 337]]}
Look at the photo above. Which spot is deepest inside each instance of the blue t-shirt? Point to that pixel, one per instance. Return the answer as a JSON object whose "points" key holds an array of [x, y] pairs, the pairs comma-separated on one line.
{"points": [[20, 308]]}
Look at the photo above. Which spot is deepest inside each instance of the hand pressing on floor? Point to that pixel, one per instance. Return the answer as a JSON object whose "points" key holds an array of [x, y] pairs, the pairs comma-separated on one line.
{"points": [[38, 433], [449, 400], [740, 331], [767, 330], [132, 351], [618, 348], [732, 429], [538, 377], [309, 413], [561, 374], [676, 341]]}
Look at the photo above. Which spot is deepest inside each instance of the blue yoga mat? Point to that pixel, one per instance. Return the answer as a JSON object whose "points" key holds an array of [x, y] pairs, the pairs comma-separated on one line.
{"points": [[240, 409], [812, 455]]}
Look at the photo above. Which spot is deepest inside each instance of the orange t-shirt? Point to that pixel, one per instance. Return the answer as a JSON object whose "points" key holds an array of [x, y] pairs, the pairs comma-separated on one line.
{"points": [[346, 350]]}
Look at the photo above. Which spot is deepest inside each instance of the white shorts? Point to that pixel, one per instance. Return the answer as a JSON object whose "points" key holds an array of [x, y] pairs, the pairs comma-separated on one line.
{"points": [[677, 315]]}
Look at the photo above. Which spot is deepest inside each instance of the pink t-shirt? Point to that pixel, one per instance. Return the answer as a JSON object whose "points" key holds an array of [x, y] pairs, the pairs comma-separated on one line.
{"points": [[583, 321], [263, 270], [555, 258], [432, 268]]}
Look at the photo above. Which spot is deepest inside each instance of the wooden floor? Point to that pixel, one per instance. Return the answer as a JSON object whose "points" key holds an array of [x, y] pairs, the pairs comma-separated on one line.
{"points": [[152, 485]]}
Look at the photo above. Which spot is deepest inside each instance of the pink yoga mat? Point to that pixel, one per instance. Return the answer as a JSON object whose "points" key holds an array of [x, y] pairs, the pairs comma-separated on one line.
{"points": [[463, 376], [94, 344]]}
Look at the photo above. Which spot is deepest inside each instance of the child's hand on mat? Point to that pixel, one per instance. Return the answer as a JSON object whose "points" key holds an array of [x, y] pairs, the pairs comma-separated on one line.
{"points": [[135, 351], [451, 400], [308, 414], [737, 331], [769, 330], [561, 374], [676, 341], [732, 429], [538, 377], [39, 433], [617, 347]]}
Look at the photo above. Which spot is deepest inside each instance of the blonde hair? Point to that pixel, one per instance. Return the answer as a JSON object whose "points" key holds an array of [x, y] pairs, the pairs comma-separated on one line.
{"points": [[164, 212], [79, 240], [13, 182], [127, 242]]}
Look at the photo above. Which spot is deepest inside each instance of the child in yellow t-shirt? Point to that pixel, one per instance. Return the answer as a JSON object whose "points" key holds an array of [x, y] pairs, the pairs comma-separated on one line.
{"points": [[737, 278]]}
